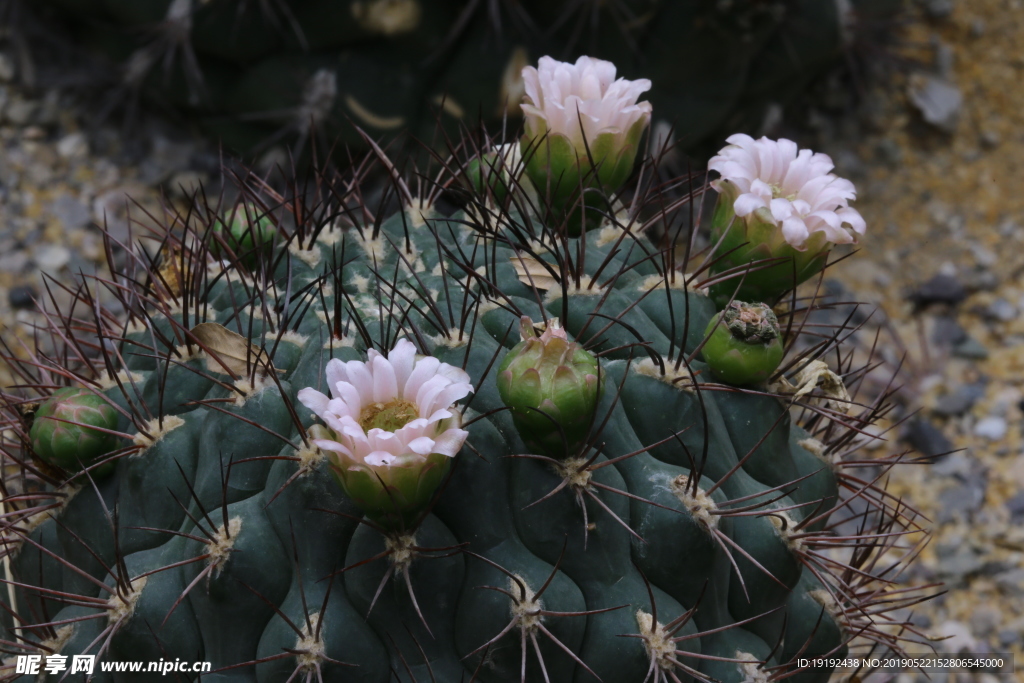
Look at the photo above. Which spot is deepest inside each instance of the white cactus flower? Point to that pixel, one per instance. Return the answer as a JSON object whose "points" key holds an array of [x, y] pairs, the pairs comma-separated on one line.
{"points": [[390, 411], [561, 96], [793, 188]]}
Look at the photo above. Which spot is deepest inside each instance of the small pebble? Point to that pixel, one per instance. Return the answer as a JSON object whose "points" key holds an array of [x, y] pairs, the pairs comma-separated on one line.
{"points": [[1011, 582], [20, 112], [73, 146], [962, 501], [51, 257], [971, 349], [941, 289], [938, 100], [947, 331], [985, 619], [989, 139], [957, 402], [938, 9], [1015, 506], [1003, 310], [21, 296], [926, 438], [991, 428]]}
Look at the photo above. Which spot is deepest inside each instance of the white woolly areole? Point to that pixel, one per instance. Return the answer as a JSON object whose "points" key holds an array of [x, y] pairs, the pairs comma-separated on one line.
{"points": [[223, 543], [401, 549], [424, 384], [156, 428], [785, 526], [700, 504], [795, 187], [675, 280], [310, 650], [524, 605], [310, 257], [681, 379], [120, 607], [816, 448], [751, 668], [657, 640], [564, 95], [124, 376]]}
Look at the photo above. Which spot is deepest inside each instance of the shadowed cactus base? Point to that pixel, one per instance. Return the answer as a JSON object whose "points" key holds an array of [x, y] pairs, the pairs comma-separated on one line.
{"points": [[689, 530]]}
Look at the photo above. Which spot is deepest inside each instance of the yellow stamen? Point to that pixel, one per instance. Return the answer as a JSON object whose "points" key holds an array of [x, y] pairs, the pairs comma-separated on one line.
{"points": [[390, 416]]}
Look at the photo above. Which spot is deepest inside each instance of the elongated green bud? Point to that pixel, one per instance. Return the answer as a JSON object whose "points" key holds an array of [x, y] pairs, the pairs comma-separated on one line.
{"points": [[746, 348], [64, 430], [552, 385]]}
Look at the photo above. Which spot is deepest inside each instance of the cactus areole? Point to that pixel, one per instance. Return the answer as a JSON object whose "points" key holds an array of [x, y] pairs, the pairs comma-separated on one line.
{"points": [[346, 465]]}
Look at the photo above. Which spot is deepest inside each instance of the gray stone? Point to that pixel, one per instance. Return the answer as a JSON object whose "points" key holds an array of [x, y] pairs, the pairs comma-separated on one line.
{"points": [[20, 111], [938, 100], [73, 146], [51, 257], [21, 296], [947, 331], [889, 152], [1015, 506], [989, 139], [983, 280], [957, 465], [992, 428], [938, 9], [971, 349], [985, 619], [957, 559], [962, 500], [941, 289], [1011, 582], [926, 438], [1001, 309], [960, 400], [70, 212]]}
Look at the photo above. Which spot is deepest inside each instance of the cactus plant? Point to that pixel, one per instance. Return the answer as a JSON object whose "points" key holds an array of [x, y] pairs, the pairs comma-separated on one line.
{"points": [[255, 72], [260, 516]]}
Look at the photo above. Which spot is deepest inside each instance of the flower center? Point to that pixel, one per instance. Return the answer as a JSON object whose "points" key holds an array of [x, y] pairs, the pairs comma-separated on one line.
{"points": [[390, 416], [778, 192]]}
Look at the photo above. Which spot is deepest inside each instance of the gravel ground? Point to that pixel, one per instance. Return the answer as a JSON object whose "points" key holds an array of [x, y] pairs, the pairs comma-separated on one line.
{"points": [[938, 156]]}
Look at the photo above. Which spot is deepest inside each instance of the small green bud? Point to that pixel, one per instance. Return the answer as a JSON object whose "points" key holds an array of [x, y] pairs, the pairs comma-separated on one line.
{"points": [[552, 386], [63, 434], [746, 348], [248, 233]]}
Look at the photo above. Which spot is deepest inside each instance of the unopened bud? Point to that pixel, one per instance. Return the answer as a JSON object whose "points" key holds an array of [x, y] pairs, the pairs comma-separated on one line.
{"points": [[552, 385]]}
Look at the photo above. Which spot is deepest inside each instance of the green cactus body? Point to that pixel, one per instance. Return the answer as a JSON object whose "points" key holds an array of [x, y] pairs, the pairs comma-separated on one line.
{"points": [[262, 70], [684, 525]]}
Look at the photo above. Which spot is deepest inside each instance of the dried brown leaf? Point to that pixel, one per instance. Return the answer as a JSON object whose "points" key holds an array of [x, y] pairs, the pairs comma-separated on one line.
{"points": [[227, 350]]}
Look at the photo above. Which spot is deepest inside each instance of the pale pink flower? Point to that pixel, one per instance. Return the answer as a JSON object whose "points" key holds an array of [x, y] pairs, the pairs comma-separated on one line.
{"points": [[420, 392], [794, 188], [560, 96]]}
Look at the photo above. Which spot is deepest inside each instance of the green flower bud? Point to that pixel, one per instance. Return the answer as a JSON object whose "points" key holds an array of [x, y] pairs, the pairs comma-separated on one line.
{"points": [[63, 433], [248, 233], [746, 348], [552, 386]]}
